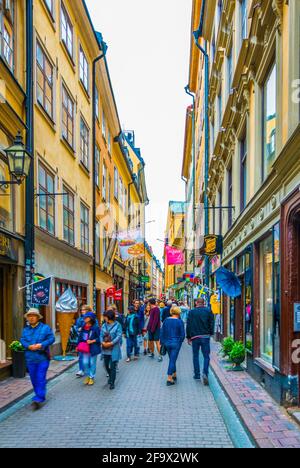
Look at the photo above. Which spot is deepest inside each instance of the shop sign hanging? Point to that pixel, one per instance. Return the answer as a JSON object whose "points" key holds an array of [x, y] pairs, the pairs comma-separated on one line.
{"points": [[213, 245]]}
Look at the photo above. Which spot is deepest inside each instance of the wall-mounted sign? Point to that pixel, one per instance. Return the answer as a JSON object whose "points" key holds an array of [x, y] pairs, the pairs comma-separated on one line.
{"points": [[297, 317], [145, 279], [213, 245], [8, 247]]}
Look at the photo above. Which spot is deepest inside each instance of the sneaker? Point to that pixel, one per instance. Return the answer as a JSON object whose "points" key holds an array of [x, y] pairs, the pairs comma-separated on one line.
{"points": [[80, 374], [160, 359], [151, 355], [145, 352], [170, 384], [205, 381], [128, 360], [136, 358], [36, 406], [111, 387], [91, 381], [86, 381]]}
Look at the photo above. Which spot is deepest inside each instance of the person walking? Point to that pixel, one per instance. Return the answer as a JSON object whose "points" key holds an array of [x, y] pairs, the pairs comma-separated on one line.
{"points": [[154, 329], [184, 311], [37, 339], [167, 311], [172, 336], [89, 347], [132, 331], [111, 337], [78, 327], [200, 328], [145, 329]]}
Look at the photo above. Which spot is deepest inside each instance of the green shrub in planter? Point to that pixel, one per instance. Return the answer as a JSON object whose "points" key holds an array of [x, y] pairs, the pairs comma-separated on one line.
{"points": [[238, 354], [227, 346], [18, 360]]}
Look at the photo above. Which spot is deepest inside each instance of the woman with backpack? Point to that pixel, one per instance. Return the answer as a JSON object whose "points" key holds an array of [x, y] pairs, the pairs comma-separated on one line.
{"points": [[111, 337], [89, 346]]}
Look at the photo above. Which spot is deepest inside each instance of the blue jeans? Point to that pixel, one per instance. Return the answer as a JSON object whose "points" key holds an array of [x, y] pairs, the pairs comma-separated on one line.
{"points": [[89, 365], [80, 362], [132, 345], [204, 345], [38, 377], [173, 352]]}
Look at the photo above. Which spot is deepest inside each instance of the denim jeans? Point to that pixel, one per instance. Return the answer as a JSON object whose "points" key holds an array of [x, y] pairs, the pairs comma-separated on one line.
{"points": [[132, 345], [111, 368], [80, 362], [204, 345], [38, 373], [89, 365], [173, 352]]}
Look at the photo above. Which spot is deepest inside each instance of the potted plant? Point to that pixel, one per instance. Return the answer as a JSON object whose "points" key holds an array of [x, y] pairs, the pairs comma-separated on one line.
{"points": [[227, 345], [238, 356], [18, 360]]}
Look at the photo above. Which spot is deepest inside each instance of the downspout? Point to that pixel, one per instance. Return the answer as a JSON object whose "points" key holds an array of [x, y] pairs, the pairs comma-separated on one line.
{"points": [[187, 90], [29, 191], [197, 35], [95, 61]]}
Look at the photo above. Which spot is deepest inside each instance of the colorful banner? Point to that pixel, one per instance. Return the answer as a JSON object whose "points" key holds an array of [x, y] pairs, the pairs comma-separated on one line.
{"points": [[131, 244], [174, 256], [110, 292], [118, 295], [40, 293]]}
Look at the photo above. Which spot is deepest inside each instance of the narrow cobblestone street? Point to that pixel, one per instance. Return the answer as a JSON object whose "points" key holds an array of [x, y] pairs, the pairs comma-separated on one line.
{"points": [[141, 412]]}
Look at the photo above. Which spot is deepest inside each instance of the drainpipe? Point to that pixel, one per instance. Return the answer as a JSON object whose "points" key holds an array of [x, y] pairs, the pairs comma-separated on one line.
{"points": [[196, 35], [95, 61], [187, 90], [29, 191]]}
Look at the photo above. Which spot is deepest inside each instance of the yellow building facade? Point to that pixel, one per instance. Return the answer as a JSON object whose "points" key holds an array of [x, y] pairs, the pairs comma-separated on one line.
{"points": [[175, 237], [254, 172], [12, 198]]}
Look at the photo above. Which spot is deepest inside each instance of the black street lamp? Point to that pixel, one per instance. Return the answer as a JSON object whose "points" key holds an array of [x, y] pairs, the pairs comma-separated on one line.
{"points": [[19, 161]]}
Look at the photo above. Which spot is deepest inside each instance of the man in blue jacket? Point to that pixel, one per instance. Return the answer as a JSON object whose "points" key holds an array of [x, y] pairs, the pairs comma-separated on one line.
{"points": [[37, 339]]}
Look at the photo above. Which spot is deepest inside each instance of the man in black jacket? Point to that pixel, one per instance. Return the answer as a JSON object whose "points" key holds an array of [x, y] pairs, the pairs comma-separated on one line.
{"points": [[132, 330], [200, 328], [167, 311]]}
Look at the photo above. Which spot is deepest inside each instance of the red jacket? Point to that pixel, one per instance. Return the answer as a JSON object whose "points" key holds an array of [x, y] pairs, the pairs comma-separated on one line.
{"points": [[154, 322]]}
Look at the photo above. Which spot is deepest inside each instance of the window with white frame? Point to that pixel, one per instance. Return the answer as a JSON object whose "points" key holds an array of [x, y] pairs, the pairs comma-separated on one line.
{"points": [[97, 257], [244, 19], [269, 121], [7, 32], [67, 30], [116, 183], [84, 69], [97, 102], [69, 216], [46, 200], [103, 125], [44, 80], [68, 117], [97, 167], [104, 181], [84, 227], [50, 6], [84, 143], [109, 141]]}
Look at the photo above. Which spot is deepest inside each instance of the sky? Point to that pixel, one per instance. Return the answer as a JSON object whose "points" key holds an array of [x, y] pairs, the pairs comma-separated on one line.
{"points": [[148, 58]]}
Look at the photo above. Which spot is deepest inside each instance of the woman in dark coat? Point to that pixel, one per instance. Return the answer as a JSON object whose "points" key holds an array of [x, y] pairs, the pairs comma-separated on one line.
{"points": [[172, 336]]}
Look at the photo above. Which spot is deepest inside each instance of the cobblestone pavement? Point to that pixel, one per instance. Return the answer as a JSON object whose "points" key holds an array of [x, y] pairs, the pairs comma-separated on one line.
{"points": [[12, 390], [268, 423], [141, 412]]}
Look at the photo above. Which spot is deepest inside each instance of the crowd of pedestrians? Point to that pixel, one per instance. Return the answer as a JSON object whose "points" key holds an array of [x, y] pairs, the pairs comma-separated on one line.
{"points": [[159, 328]]}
